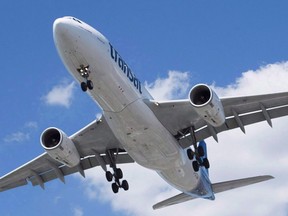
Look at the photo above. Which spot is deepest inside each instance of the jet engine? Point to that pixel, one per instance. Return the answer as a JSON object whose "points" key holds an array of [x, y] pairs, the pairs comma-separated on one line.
{"points": [[207, 104], [59, 147]]}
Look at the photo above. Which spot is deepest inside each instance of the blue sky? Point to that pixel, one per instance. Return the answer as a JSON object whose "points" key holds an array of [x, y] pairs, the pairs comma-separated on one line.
{"points": [[213, 41]]}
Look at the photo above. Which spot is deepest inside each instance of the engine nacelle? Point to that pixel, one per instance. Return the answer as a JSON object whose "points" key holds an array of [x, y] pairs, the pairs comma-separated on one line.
{"points": [[58, 145], [207, 104]]}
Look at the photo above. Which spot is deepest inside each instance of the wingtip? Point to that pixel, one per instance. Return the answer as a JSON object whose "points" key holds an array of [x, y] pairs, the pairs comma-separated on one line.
{"points": [[157, 206], [269, 177]]}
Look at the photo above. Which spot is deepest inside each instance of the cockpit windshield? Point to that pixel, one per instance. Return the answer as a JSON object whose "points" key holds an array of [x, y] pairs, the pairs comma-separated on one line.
{"points": [[76, 20]]}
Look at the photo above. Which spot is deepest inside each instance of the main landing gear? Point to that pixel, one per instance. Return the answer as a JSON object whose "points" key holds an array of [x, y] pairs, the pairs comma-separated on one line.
{"points": [[85, 72], [117, 175], [200, 158]]}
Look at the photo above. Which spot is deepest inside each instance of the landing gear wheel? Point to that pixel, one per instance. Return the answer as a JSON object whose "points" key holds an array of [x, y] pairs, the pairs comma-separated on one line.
{"points": [[195, 165], [206, 163], [115, 188], [190, 154], [90, 84], [119, 173], [125, 185], [109, 176], [201, 151], [84, 86]]}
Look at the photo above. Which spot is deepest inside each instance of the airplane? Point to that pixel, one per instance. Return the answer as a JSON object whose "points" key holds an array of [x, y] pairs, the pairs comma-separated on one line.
{"points": [[164, 136]]}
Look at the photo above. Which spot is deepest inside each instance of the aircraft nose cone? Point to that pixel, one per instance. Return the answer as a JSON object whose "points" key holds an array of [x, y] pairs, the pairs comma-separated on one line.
{"points": [[64, 32], [57, 23], [59, 27]]}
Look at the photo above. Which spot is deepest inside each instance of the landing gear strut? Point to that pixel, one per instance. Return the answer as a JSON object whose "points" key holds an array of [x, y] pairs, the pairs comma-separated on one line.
{"points": [[85, 72], [117, 174]]}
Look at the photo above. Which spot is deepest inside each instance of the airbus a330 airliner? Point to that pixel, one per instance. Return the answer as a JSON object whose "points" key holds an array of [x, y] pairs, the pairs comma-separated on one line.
{"points": [[164, 136]]}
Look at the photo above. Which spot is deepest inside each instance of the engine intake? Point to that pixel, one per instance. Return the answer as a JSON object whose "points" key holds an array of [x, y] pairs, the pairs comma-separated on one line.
{"points": [[51, 138], [59, 147], [207, 104], [200, 95]]}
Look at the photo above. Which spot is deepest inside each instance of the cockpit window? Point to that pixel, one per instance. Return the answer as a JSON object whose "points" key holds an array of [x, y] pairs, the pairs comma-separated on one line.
{"points": [[77, 20]]}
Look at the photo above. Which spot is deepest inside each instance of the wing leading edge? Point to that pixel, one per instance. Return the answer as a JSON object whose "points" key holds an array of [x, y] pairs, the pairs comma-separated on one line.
{"points": [[217, 188]]}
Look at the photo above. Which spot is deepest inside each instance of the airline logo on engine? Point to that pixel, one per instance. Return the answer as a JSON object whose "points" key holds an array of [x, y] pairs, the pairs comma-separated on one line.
{"points": [[124, 67]]}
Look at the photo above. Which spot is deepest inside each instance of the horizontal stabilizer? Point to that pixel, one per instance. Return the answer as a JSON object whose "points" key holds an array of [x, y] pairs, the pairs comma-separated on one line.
{"points": [[229, 185], [217, 188]]}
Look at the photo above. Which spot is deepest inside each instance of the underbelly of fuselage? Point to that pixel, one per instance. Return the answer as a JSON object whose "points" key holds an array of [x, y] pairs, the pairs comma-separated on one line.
{"points": [[144, 137], [149, 143]]}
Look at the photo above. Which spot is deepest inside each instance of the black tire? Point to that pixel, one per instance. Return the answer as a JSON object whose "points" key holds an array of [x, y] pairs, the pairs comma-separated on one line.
{"points": [[206, 163], [119, 173], [125, 185], [201, 152], [190, 154], [90, 84], [109, 176], [195, 165], [115, 188], [84, 86]]}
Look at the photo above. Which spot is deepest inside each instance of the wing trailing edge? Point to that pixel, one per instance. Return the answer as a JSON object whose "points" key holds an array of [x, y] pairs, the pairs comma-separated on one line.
{"points": [[217, 188]]}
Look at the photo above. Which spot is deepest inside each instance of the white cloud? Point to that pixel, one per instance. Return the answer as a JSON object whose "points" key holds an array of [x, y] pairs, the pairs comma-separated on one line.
{"points": [[60, 95], [267, 79], [173, 87], [31, 125], [23, 134], [57, 199], [17, 137], [78, 211], [261, 151]]}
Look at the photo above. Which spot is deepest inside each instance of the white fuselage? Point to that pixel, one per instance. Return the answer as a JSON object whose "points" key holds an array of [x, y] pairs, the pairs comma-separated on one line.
{"points": [[122, 97]]}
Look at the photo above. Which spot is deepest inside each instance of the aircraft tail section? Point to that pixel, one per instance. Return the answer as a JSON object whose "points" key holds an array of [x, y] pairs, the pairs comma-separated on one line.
{"points": [[217, 188]]}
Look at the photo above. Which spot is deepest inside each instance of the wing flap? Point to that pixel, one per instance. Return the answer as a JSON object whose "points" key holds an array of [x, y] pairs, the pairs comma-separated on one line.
{"points": [[41, 167], [248, 104], [24, 171], [231, 123], [86, 163], [217, 188], [15, 184]]}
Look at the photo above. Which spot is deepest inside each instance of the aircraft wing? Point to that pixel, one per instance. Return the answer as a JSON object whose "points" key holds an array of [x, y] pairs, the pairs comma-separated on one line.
{"points": [[179, 117], [217, 188], [92, 143]]}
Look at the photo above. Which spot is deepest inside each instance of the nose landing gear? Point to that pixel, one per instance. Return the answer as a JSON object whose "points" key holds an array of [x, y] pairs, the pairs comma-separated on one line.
{"points": [[85, 72]]}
